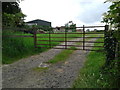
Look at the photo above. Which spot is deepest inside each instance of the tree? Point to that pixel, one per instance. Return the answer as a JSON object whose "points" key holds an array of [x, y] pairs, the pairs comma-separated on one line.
{"points": [[71, 25], [88, 30], [10, 7], [112, 16], [112, 38], [12, 14]]}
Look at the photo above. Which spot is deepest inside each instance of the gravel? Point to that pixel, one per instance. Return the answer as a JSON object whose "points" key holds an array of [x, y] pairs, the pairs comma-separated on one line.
{"points": [[60, 75]]}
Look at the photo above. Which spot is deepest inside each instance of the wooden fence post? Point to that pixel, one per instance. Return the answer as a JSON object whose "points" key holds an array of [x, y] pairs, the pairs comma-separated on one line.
{"points": [[106, 28], [105, 34]]}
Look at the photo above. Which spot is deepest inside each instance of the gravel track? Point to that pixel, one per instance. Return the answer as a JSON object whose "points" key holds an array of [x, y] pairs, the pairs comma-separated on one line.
{"points": [[60, 75]]}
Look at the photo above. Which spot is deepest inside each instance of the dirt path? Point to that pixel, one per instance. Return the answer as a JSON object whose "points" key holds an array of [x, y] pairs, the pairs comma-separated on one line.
{"points": [[59, 75]]}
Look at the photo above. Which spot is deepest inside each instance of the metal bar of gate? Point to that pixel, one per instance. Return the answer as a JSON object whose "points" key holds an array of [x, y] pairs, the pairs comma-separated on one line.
{"points": [[72, 49], [17, 36], [75, 33], [83, 37], [70, 37], [72, 41], [65, 38], [49, 39], [35, 39]]}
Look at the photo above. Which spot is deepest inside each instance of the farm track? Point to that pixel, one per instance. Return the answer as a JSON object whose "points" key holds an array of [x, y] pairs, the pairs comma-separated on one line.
{"points": [[60, 75]]}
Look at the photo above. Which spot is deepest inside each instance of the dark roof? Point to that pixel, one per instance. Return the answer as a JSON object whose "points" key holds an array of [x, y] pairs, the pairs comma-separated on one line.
{"points": [[40, 22], [37, 20]]}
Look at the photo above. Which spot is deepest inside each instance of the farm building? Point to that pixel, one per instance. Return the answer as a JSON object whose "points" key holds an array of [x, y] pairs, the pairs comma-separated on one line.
{"points": [[61, 29], [39, 22], [79, 30]]}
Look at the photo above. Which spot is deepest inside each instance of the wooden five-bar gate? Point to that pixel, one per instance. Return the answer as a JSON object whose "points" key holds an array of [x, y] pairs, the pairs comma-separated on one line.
{"points": [[56, 39]]}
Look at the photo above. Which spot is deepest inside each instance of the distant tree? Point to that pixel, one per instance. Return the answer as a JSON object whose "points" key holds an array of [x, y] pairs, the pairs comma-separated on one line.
{"points": [[95, 30], [71, 25], [88, 30]]}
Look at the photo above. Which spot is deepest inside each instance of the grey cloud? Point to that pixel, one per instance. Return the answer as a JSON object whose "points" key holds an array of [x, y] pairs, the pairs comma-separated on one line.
{"points": [[92, 12]]}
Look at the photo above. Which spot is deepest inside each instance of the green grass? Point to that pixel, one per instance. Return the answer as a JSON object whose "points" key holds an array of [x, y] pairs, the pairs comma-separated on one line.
{"points": [[66, 53], [15, 48], [53, 43], [90, 75], [62, 56], [40, 69], [93, 75]]}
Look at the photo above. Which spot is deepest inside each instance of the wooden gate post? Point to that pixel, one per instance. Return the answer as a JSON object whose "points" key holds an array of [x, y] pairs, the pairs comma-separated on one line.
{"points": [[106, 28], [105, 33]]}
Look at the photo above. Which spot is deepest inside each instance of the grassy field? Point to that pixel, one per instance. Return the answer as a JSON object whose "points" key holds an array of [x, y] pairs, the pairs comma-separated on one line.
{"points": [[15, 48], [66, 53], [56, 37], [92, 74]]}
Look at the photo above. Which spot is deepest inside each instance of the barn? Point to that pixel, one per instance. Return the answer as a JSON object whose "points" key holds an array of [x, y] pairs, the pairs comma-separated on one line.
{"points": [[39, 22]]}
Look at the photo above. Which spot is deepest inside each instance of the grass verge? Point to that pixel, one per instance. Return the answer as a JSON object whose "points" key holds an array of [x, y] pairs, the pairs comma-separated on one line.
{"points": [[90, 75], [62, 56], [93, 75], [40, 69]]}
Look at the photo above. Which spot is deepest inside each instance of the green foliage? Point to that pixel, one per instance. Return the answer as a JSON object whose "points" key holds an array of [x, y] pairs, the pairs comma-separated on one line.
{"points": [[93, 75], [70, 26], [10, 7], [13, 20], [112, 51], [113, 15], [110, 47], [12, 15], [14, 48], [112, 39]]}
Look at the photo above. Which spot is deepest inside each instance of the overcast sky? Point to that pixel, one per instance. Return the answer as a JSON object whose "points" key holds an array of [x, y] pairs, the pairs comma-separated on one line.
{"points": [[59, 12]]}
